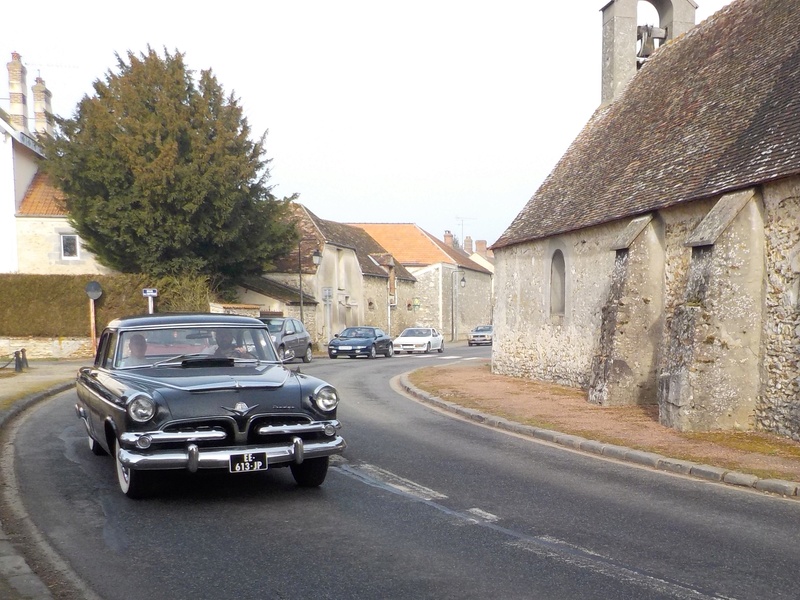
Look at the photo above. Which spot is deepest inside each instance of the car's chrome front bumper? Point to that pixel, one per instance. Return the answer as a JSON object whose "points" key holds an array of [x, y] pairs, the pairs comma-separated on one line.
{"points": [[193, 457]]}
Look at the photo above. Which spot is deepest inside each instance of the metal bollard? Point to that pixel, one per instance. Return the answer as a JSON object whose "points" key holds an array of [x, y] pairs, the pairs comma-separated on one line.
{"points": [[24, 359], [17, 361]]}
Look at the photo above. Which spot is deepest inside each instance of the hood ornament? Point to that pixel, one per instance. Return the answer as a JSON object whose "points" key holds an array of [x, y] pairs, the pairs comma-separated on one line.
{"points": [[240, 409]]}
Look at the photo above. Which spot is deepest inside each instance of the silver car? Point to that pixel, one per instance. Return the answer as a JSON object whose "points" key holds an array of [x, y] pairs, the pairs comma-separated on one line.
{"points": [[482, 334], [289, 335]]}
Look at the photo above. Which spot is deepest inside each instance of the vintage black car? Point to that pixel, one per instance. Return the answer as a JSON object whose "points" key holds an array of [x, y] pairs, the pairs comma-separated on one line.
{"points": [[203, 391], [361, 341]]}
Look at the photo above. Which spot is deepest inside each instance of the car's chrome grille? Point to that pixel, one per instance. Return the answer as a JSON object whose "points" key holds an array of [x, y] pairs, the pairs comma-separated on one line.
{"points": [[190, 427], [279, 427]]}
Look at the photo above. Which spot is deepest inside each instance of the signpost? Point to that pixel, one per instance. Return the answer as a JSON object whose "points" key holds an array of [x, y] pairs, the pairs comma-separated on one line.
{"points": [[150, 293], [94, 291]]}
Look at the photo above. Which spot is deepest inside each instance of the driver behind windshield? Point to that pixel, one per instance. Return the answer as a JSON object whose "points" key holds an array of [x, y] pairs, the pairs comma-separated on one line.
{"points": [[226, 344]]}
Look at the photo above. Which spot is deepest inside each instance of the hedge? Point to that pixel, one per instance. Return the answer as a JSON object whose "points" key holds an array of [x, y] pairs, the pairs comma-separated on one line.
{"points": [[57, 305]]}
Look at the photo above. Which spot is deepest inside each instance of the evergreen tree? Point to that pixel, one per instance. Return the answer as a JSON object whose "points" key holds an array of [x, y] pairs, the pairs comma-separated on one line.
{"points": [[161, 177]]}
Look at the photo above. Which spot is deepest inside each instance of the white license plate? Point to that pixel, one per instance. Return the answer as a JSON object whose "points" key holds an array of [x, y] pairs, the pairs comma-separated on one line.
{"points": [[345, 347], [248, 462]]}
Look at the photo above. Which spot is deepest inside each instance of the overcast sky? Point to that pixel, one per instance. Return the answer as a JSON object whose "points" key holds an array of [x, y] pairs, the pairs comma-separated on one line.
{"points": [[441, 113]]}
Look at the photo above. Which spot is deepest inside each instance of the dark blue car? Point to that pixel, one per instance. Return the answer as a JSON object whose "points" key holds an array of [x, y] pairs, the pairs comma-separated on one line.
{"points": [[361, 341]]}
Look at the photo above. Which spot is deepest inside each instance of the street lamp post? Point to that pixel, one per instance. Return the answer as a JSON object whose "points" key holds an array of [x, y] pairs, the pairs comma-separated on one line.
{"points": [[453, 302], [316, 257]]}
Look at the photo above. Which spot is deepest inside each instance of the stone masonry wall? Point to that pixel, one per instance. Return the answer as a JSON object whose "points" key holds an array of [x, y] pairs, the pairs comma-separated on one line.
{"points": [[777, 409]]}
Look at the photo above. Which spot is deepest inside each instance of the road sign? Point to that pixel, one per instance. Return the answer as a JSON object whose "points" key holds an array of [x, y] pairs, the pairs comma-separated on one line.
{"points": [[150, 292]]}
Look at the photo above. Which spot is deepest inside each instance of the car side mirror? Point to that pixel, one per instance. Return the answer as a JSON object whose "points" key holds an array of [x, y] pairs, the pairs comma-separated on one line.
{"points": [[288, 355]]}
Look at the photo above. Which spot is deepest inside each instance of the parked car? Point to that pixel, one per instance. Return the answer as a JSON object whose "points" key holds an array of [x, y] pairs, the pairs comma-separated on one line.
{"points": [[482, 334], [203, 391], [361, 341], [289, 334], [419, 339]]}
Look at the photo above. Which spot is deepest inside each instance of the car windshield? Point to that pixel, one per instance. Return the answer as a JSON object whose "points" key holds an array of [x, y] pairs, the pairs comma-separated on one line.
{"points": [[483, 328], [416, 333], [274, 325], [146, 347], [356, 332]]}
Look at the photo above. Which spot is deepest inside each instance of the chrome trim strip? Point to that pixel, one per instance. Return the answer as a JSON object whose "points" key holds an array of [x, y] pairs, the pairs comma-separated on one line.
{"points": [[314, 427], [164, 437]]}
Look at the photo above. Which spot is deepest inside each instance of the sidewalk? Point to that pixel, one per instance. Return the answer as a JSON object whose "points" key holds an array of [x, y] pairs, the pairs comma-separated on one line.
{"points": [[17, 391]]}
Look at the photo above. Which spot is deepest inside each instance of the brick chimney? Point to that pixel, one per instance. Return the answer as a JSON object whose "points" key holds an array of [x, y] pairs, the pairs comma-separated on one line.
{"points": [[480, 247], [448, 238], [18, 89], [42, 109], [468, 245]]}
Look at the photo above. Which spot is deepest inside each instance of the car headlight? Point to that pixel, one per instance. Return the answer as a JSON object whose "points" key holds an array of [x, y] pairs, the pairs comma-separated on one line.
{"points": [[141, 407], [326, 398]]}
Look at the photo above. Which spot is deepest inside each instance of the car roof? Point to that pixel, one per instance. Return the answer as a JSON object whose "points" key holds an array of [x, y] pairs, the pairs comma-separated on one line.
{"points": [[184, 319]]}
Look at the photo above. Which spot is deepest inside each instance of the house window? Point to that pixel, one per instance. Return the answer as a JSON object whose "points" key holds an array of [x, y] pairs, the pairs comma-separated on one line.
{"points": [[69, 247], [557, 284]]}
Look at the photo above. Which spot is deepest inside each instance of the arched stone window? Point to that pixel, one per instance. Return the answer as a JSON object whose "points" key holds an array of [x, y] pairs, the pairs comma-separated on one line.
{"points": [[558, 279]]}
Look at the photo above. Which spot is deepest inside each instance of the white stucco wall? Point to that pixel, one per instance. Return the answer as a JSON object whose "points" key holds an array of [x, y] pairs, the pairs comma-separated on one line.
{"points": [[39, 249]]}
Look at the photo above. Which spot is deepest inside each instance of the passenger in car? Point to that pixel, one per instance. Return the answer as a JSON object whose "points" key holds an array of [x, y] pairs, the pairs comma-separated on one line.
{"points": [[137, 346]]}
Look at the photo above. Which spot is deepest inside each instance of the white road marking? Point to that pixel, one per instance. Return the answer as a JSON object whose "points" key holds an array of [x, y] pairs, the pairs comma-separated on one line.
{"points": [[483, 515], [399, 483]]}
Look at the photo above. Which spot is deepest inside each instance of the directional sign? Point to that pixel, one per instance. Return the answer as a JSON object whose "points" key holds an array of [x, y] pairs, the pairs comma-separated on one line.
{"points": [[150, 292]]}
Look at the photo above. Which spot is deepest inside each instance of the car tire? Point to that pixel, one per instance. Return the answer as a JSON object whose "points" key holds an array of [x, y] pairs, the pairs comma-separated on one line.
{"points": [[96, 448], [441, 347], [132, 483], [428, 348], [390, 352], [372, 352], [331, 355], [311, 472], [308, 357]]}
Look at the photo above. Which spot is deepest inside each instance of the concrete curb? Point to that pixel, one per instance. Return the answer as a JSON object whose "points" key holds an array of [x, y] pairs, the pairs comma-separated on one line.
{"points": [[19, 582], [789, 489]]}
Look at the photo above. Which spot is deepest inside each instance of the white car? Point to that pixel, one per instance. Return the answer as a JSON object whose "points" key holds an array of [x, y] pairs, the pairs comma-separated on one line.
{"points": [[419, 339]]}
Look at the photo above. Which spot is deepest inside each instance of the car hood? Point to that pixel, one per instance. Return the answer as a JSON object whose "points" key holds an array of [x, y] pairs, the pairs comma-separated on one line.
{"points": [[359, 341], [188, 394]]}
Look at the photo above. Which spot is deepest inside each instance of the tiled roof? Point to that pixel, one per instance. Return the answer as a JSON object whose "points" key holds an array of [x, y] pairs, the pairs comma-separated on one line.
{"points": [[716, 110], [273, 289], [313, 230], [42, 199], [415, 247]]}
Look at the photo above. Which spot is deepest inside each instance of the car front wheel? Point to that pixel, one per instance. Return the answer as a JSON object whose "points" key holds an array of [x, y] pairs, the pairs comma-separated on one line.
{"points": [[307, 356], [372, 352], [311, 472], [428, 348], [389, 351], [441, 347], [133, 483]]}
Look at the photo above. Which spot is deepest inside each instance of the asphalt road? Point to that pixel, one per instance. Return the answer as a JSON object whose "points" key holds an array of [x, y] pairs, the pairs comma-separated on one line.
{"points": [[421, 505]]}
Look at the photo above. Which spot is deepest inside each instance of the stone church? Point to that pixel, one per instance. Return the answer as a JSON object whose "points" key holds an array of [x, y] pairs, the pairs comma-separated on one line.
{"points": [[659, 262]]}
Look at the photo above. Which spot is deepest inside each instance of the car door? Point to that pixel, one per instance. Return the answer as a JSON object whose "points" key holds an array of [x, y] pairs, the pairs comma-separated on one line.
{"points": [[436, 339], [299, 343], [290, 335], [381, 341]]}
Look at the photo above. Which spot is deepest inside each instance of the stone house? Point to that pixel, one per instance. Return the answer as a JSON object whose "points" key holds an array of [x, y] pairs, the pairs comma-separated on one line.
{"points": [[453, 293], [353, 281], [659, 262]]}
